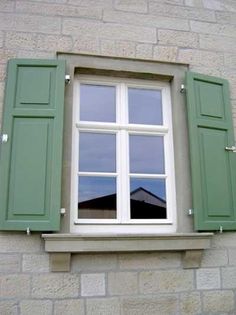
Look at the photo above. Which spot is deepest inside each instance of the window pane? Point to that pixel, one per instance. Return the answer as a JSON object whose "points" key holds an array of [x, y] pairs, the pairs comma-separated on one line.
{"points": [[147, 198], [146, 154], [97, 103], [97, 197], [97, 152], [145, 107]]}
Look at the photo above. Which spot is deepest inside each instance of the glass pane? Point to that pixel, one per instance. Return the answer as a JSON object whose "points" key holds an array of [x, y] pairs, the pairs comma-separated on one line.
{"points": [[97, 103], [97, 152], [146, 154], [147, 198], [97, 197], [145, 107]]}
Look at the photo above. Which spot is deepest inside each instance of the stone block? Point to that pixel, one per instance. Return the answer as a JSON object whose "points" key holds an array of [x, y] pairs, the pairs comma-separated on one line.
{"points": [[18, 242], [122, 283], [230, 60], [145, 20], [214, 258], [56, 9], [54, 43], [158, 305], [178, 38], [201, 57], [30, 23], [157, 260], [166, 281], [10, 263], [192, 259], [194, 3], [35, 263], [144, 51], [86, 44], [6, 6], [69, 307], [224, 17], [8, 308], [6, 54], [92, 3], [15, 286], [29, 307], [165, 53], [22, 53], [132, 5], [190, 303], [224, 240], [216, 302], [60, 262], [208, 279], [213, 28], [55, 286], [93, 262], [158, 8], [228, 277], [215, 42], [219, 5], [93, 284], [125, 49], [108, 47], [103, 306], [20, 40], [78, 28], [232, 256]]}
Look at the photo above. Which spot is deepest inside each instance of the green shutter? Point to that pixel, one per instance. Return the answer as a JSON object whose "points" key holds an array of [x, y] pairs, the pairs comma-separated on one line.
{"points": [[212, 166], [30, 161]]}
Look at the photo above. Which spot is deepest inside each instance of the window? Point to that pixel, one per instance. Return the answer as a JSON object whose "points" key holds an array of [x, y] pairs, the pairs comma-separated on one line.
{"points": [[123, 161]]}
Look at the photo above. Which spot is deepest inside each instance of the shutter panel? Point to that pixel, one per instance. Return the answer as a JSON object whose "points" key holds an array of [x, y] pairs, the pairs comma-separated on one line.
{"points": [[212, 167], [30, 161]]}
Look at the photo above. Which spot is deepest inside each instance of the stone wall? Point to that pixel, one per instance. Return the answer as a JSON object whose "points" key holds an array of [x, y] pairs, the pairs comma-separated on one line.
{"points": [[201, 33]]}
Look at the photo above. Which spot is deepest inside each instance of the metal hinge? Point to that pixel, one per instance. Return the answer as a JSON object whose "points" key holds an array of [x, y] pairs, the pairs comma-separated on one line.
{"points": [[190, 212], [63, 211], [182, 88], [67, 79]]}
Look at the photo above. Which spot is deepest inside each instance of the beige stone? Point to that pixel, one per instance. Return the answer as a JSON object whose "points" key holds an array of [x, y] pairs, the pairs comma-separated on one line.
{"points": [[158, 305], [219, 5], [190, 303], [125, 49], [217, 43], [6, 6], [228, 277], [158, 260], [122, 283], [55, 286], [93, 262], [29, 307], [14, 286], [165, 53], [218, 301], [86, 44], [166, 281], [201, 57], [108, 47], [214, 258], [108, 306], [144, 51], [93, 284], [192, 259], [225, 17], [10, 263], [79, 28], [35, 263], [208, 278], [69, 307], [92, 3], [20, 40], [213, 28], [54, 43], [18, 242], [8, 308], [194, 3], [178, 38], [131, 5], [60, 262]]}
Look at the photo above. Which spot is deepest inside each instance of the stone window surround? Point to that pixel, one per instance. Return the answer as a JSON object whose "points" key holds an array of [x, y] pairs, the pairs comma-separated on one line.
{"points": [[63, 244]]}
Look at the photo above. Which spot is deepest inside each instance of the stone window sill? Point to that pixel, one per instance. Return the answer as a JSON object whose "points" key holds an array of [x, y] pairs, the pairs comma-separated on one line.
{"points": [[61, 246]]}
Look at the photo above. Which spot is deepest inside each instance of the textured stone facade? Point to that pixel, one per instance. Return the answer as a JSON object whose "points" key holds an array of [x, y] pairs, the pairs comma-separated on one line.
{"points": [[201, 33]]}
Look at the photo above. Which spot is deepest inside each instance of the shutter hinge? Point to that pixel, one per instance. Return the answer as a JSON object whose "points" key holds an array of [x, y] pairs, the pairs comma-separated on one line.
{"points": [[67, 79], [221, 229], [63, 211], [190, 212], [4, 138], [28, 231], [182, 88]]}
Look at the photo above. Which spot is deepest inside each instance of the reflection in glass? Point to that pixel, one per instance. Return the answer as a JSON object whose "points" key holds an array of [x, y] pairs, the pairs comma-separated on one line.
{"points": [[97, 197], [146, 154], [147, 198], [97, 103], [145, 106], [97, 152]]}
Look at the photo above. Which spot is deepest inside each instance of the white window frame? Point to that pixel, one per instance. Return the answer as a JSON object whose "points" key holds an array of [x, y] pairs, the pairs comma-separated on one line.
{"points": [[124, 225]]}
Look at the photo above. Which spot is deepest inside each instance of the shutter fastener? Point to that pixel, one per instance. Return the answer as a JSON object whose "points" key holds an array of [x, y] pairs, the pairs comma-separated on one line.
{"points": [[190, 211], [67, 79], [28, 231], [4, 138], [182, 88], [63, 211], [221, 229]]}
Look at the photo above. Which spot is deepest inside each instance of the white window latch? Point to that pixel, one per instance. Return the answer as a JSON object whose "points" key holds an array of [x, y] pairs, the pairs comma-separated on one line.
{"points": [[67, 79], [182, 88], [4, 138]]}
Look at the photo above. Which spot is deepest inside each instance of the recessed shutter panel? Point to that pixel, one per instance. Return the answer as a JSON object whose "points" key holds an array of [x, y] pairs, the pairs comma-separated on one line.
{"points": [[31, 148], [213, 160]]}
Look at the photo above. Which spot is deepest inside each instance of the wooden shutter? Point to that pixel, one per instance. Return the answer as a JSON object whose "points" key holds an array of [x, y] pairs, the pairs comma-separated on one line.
{"points": [[30, 160], [213, 168]]}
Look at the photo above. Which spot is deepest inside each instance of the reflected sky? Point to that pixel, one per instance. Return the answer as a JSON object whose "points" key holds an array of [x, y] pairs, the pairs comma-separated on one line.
{"points": [[153, 185], [146, 154], [97, 152], [91, 187], [145, 106], [97, 103]]}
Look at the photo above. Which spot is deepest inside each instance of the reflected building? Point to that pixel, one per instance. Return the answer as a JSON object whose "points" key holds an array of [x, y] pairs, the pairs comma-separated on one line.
{"points": [[143, 204]]}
